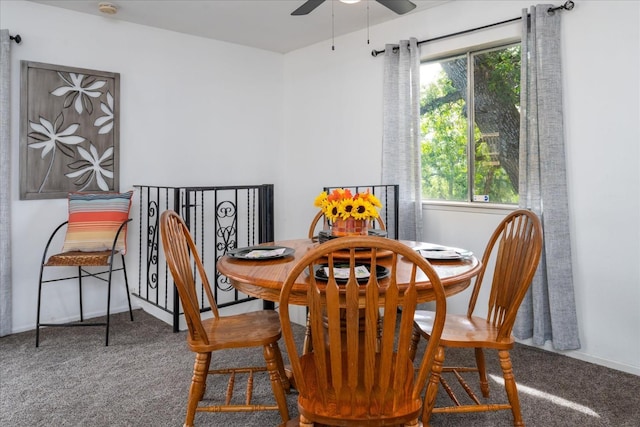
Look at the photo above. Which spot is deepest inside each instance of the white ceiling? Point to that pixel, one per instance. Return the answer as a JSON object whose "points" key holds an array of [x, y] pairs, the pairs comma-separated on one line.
{"points": [[264, 24]]}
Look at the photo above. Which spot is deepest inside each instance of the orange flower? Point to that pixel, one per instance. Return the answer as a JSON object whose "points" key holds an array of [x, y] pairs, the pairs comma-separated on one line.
{"points": [[339, 194]]}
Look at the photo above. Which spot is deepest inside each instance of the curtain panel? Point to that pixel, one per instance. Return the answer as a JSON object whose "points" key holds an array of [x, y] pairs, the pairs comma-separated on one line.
{"points": [[548, 312], [5, 184], [401, 133]]}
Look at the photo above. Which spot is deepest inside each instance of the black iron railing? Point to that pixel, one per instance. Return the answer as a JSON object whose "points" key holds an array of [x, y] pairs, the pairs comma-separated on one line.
{"points": [[219, 219]]}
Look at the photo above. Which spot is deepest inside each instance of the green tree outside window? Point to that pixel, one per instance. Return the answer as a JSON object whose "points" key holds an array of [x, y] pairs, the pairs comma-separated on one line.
{"points": [[490, 110]]}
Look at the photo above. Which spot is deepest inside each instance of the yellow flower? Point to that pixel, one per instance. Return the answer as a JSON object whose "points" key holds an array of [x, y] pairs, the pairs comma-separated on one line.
{"points": [[373, 213], [341, 204], [346, 208], [332, 210], [361, 209], [321, 200], [374, 200]]}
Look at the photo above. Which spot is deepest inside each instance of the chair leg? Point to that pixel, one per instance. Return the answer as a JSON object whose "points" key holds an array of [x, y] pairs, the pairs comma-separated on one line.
{"points": [[197, 383], [482, 372], [432, 387], [283, 374], [510, 387], [413, 345], [106, 341], [38, 313], [126, 287], [207, 367], [270, 356], [80, 292], [306, 345]]}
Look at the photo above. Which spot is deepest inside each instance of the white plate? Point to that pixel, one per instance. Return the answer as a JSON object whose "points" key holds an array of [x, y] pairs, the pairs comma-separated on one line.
{"points": [[444, 253], [341, 272], [261, 252]]}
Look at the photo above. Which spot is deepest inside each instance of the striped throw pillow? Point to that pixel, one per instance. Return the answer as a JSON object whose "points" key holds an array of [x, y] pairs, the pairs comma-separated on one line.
{"points": [[94, 219]]}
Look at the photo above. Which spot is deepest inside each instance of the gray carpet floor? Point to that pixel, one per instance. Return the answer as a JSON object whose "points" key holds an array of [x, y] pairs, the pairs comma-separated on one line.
{"points": [[143, 377]]}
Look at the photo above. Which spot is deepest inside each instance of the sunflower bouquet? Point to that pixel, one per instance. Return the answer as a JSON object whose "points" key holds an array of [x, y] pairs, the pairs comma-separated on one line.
{"points": [[341, 204]]}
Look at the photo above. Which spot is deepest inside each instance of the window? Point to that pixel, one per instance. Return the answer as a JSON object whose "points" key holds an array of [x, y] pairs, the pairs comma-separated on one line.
{"points": [[470, 124]]}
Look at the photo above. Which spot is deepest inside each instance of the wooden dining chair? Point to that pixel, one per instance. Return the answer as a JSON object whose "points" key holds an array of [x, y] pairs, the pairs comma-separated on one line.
{"points": [[359, 372], [313, 234], [253, 329], [515, 247]]}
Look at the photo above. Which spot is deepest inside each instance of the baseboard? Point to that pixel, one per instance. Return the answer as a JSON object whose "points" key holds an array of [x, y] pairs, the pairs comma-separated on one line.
{"points": [[75, 318], [167, 317], [635, 370], [575, 354]]}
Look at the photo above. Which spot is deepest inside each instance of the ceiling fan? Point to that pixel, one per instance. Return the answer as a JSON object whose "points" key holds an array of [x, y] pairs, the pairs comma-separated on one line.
{"points": [[398, 6]]}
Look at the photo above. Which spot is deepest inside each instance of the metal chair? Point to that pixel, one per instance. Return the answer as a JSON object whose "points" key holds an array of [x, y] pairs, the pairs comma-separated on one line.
{"points": [[82, 261]]}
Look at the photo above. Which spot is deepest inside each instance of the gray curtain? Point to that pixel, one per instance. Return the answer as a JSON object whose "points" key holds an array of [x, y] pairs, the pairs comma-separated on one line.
{"points": [[548, 312], [401, 133], [5, 184]]}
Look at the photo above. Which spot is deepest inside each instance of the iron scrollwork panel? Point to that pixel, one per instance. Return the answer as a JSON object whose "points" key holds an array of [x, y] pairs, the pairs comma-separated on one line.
{"points": [[226, 237]]}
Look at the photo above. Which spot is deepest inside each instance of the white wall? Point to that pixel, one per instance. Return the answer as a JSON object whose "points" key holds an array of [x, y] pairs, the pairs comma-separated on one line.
{"points": [[338, 95], [193, 112], [316, 120]]}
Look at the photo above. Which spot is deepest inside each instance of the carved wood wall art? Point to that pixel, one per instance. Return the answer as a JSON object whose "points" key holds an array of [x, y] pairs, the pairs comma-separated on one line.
{"points": [[69, 130]]}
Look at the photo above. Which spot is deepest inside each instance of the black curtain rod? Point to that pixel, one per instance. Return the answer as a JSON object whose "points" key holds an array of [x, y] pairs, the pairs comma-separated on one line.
{"points": [[566, 6]]}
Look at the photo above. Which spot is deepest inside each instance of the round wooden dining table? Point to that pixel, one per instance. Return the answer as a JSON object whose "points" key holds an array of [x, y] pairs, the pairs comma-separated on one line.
{"points": [[263, 278]]}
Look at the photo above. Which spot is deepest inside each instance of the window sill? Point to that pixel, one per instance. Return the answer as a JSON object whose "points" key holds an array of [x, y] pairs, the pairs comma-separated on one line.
{"points": [[468, 207]]}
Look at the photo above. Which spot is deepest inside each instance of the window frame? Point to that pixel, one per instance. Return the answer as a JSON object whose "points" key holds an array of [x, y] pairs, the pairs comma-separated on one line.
{"points": [[467, 51]]}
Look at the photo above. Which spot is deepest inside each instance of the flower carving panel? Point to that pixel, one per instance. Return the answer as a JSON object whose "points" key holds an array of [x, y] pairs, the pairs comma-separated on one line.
{"points": [[69, 130]]}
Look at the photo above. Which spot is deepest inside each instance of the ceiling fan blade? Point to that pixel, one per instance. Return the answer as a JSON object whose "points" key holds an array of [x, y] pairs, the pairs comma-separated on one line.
{"points": [[398, 6], [307, 7]]}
